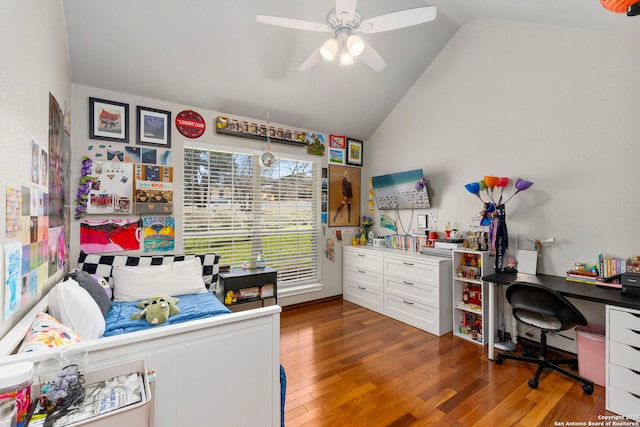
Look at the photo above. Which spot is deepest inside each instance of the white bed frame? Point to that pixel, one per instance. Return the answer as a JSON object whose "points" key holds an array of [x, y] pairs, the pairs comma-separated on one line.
{"points": [[223, 370]]}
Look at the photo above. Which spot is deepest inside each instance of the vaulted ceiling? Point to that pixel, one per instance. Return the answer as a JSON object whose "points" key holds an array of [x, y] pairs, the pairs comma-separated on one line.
{"points": [[211, 54]]}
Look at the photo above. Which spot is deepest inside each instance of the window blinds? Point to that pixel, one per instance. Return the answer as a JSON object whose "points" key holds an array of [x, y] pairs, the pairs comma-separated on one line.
{"points": [[237, 209]]}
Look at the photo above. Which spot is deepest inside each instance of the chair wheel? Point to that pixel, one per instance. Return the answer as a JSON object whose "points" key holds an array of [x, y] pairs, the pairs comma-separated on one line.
{"points": [[498, 360], [533, 383], [588, 389]]}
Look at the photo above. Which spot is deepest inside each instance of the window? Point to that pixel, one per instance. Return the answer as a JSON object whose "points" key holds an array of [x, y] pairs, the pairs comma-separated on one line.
{"points": [[237, 209]]}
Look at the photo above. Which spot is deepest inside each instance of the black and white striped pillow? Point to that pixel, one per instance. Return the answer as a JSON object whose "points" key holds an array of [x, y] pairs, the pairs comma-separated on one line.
{"points": [[102, 265]]}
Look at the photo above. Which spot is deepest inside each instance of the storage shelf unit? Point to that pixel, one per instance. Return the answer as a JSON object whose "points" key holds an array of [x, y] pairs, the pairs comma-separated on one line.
{"points": [[407, 286], [249, 288], [469, 312], [623, 361]]}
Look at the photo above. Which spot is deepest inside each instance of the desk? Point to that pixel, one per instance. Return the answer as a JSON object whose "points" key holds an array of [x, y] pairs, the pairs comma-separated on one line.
{"points": [[611, 296]]}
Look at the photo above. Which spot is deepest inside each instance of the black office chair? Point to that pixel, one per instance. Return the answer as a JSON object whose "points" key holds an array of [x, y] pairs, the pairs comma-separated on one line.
{"points": [[547, 310]]}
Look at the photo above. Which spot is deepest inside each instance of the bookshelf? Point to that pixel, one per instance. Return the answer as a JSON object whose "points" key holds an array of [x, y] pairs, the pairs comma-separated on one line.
{"points": [[469, 313]]}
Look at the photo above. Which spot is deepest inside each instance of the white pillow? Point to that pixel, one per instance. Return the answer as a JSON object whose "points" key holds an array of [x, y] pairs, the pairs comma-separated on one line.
{"points": [[134, 283], [74, 307]]}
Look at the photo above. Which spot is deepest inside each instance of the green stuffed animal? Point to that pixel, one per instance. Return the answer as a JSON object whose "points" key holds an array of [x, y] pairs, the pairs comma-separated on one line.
{"points": [[156, 310]]}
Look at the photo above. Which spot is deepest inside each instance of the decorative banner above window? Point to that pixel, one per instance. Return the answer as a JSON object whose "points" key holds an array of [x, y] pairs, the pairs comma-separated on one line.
{"points": [[262, 131]]}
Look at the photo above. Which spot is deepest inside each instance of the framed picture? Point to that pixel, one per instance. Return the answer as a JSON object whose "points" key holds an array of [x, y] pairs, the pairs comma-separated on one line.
{"points": [[344, 196], [154, 127], [354, 152], [336, 141], [108, 120], [336, 156]]}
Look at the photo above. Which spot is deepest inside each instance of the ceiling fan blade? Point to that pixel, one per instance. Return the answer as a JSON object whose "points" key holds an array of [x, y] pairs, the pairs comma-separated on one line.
{"points": [[346, 9], [297, 24], [311, 61], [370, 57], [395, 20]]}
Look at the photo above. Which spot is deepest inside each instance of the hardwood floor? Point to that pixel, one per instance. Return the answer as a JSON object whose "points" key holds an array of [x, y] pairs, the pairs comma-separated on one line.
{"points": [[349, 366]]}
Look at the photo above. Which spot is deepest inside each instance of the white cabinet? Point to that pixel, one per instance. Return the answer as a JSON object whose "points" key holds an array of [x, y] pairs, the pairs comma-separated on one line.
{"points": [[362, 279], [469, 312], [407, 286], [623, 360]]}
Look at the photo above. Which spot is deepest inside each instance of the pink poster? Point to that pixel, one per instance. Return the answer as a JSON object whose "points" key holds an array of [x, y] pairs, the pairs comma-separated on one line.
{"points": [[109, 235]]}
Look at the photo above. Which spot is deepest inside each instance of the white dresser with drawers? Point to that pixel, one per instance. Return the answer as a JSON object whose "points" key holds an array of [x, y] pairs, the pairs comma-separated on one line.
{"points": [[407, 286]]}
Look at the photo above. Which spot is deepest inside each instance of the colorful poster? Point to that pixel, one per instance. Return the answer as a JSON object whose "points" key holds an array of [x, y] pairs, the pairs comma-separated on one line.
{"points": [[35, 162], [159, 234], [55, 256], [109, 235], [12, 274], [14, 206]]}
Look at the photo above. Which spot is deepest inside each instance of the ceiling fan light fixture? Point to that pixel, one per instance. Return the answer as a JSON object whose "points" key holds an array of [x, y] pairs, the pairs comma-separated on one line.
{"points": [[346, 58], [355, 45], [329, 49]]}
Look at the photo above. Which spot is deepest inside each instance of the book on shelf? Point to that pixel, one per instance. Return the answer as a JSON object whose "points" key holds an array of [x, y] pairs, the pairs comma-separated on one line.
{"points": [[611, 266]]}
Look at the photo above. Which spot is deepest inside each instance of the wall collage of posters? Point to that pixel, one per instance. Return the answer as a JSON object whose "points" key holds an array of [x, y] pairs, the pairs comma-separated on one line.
{"points": [[36, 216], [128, 180]]}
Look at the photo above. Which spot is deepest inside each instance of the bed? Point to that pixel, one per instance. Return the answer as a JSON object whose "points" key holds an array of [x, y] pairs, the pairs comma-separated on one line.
{"points": [[208, 370]]}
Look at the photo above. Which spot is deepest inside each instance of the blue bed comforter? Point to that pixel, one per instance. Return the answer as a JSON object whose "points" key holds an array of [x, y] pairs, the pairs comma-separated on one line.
{"points": [[194, 306]]}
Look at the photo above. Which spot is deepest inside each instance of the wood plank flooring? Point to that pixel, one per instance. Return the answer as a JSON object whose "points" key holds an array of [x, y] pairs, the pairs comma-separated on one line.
{"points": [[349, 366]]}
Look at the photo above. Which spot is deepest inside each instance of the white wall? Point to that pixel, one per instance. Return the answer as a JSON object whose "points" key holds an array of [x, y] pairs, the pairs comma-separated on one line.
{"points": [[35, 63], [558, 106], [330, 273]]}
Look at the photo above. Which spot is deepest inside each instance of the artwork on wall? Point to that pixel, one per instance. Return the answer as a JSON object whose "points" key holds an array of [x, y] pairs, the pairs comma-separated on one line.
{"points": [[315, 144], [14, 204], [337, 141], [158, 234], [56, 250], [354, 152], [336, 156], [111, 189], [129, 154], [109, 235], [12, 274], [344, 196], [154, 127], [59, 169], [108, 120], [153, 189]]}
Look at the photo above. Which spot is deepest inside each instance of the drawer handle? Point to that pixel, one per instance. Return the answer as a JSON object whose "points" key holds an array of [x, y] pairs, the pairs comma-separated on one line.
{"points": [[362, 255], [407, 302], [362, 271], [634, 395], [361, 287], [408, 283], [407, 263], [634, 331]]}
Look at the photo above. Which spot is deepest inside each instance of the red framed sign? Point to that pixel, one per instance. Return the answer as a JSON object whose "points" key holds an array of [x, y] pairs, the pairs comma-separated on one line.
{"points": [[190, 124]]}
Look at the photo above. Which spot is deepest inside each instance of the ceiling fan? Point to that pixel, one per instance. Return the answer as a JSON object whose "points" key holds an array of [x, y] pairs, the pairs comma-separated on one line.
{"points": [[345, 23]]}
